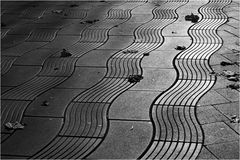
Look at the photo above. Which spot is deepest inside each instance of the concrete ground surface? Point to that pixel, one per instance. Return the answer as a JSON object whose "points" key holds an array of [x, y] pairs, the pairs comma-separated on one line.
{"points": [[124, 91]]}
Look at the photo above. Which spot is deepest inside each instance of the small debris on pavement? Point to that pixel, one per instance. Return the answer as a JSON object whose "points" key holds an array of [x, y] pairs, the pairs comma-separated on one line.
{"points": [[235, 51], [180, 48], [235, 79], [173, 32], [146, 54], [130, 51], [73, 5], [13, 126], [227, 73], [233, 86], [193, 18], [102, 1], [56, 68], [135, 78], [57, 11], [45, 103], [131, 128], [65, 53], [234, 119], [89, 21], [223, 63]]}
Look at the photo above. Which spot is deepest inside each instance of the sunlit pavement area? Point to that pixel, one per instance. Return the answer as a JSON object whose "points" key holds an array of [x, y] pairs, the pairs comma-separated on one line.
{"points": [[129, 79]]}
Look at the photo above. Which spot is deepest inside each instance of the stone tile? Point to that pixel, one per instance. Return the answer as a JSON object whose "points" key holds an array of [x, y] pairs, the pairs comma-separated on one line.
{"points": [[146, 8], [219, 68], [140, 18], [36, 134], [229, 150], [62, 42], [133, 105], [117, 42], [212, 97], [12, 40], [19, 74], [230, 94], [23, 48], [170, 43], [232, 57], [125, 140], [97, 57], [35, 57], [218, 132], [58, 101], [208, 114], [205, 154], [73, 29], [156, 79], [83, 77], [160, 59], [228, 109], [180, 29], [126, 29]]}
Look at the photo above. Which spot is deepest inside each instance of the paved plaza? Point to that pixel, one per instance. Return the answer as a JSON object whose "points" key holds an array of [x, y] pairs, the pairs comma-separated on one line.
{"points": [[127, 79]]}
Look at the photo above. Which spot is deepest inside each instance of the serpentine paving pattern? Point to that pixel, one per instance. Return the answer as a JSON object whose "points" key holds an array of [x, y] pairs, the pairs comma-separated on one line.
{"points": [[84, 124], [178, 134]]}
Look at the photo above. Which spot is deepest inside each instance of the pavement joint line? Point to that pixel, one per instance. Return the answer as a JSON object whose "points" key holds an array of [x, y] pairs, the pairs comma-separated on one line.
{"points": [[91, 102], [195, 79], [79, 66], [176, 141], [231, 33], [68, 136], [175, 105], [231, 128], [129, 120], [221, 142], [231, 26], [15, 155], [36, 116], [20, 100]]}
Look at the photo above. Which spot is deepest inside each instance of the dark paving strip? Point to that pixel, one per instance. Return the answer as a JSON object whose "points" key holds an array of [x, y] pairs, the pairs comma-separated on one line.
{"points": [[131, 120]]}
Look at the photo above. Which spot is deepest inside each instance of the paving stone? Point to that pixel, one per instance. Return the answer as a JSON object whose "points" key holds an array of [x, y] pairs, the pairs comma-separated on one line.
{"points": [[140, 18], [35, 57], [212, 97], [234, 126], [218, 132], [83, 77], [58, 100], [73, 29], [134, 105], [125, 140], [160, 59], [146, 8], [97, 57], [117, 42], [126, 29], [23, 48], [228, 109], [205, 154], [156, 79], [180, 29], [62, 42], [170, 43], [227, 150], [12, 40], [208, 114], [232, 57], [230, 94], [24, 142], [19, 74]]}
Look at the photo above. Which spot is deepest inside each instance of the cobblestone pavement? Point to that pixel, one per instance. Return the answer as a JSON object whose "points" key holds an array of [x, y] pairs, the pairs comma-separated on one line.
{"points": [[120, 79]]}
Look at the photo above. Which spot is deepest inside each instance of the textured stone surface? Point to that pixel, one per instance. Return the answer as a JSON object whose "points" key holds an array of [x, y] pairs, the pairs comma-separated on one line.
{"points": [[125, 140]]}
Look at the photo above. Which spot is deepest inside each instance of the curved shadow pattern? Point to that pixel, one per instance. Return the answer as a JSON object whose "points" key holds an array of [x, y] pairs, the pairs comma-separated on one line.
{"points": [[178, 134], [86, 122]]}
